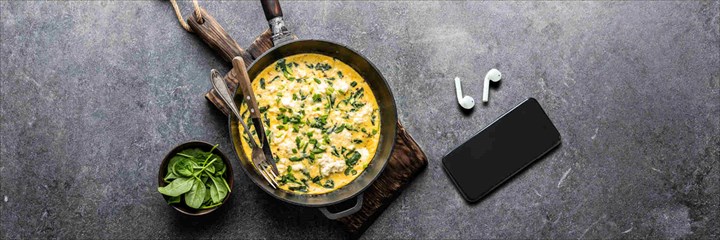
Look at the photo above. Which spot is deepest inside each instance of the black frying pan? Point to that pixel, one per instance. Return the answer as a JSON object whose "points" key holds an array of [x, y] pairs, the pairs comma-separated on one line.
{"points": [[284, 47]]}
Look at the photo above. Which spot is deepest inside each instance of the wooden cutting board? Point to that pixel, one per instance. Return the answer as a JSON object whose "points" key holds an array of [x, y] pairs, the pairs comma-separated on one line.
{"points": [[406, 161]]}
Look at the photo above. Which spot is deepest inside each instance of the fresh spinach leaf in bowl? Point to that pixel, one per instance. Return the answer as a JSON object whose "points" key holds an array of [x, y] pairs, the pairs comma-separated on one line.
{"points": [[197, 177]]}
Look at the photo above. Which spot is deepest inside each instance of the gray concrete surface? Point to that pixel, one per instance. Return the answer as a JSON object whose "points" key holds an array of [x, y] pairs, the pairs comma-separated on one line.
{"points": [[95, 93]]}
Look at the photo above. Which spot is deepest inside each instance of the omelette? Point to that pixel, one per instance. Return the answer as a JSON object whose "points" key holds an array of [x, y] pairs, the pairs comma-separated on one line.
{"points": [[321, 119]]}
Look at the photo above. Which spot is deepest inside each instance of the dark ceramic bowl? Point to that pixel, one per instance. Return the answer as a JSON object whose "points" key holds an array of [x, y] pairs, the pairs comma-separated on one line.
{"points": [[181, 207]]}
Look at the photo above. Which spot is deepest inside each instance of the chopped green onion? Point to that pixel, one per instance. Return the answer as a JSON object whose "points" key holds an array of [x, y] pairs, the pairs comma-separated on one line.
{"points": [[340, 128], [329, 183]]}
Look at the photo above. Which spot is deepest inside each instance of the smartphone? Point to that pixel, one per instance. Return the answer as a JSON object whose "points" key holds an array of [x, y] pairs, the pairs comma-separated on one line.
{"points": [[499, 151]]}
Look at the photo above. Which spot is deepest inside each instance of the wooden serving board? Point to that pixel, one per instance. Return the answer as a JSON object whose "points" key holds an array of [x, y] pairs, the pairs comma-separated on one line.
{"points": [[406, 161]]}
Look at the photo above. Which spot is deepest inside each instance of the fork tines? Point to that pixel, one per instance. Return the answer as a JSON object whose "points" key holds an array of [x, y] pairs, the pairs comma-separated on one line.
{"points": [[267, 173]]}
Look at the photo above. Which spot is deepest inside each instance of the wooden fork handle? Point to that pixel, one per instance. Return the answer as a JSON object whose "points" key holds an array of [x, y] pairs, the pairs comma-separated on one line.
{"points": [[245, 86]]}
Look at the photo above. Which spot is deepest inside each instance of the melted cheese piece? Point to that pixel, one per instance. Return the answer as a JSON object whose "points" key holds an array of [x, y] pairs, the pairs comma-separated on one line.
{"points": [[322, 118]]}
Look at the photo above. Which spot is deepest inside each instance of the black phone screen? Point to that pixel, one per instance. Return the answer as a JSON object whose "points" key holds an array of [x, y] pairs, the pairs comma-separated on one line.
{"points": [[502, 149]]}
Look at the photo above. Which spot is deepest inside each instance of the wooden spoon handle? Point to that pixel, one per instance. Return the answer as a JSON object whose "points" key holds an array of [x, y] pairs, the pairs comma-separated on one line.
{"points": [[245, 86]]}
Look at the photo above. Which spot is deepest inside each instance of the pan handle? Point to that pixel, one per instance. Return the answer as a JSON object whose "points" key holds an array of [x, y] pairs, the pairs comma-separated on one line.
{"points": [[344, 213], [274, 15], [271, 9]]}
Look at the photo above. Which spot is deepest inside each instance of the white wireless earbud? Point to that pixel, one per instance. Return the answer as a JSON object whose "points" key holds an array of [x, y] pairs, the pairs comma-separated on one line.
{"points": [[492, 75], [466, 102]]}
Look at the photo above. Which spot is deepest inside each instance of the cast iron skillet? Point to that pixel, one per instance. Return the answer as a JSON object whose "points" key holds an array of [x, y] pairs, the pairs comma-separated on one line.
{"points": [[285, 47]]}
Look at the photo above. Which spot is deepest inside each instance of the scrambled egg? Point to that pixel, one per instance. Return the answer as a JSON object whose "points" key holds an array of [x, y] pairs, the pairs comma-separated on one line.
{"points": [[321, 119]]}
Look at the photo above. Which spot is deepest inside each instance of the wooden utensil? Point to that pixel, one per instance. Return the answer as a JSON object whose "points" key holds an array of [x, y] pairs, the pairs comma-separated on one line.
{"points": [[258, 155], [246, 87]]}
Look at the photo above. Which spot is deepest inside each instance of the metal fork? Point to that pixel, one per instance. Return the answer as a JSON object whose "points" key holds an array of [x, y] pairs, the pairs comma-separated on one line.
{"points": [[258, 156]]}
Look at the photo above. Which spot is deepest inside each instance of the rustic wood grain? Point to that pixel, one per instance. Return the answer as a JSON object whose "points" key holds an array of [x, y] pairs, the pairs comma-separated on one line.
{"points": [[261, 44], [406, 161], [216, 37]]}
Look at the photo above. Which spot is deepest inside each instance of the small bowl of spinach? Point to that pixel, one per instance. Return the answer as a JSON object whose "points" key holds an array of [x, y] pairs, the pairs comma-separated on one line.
{"points": [[195, 178]]}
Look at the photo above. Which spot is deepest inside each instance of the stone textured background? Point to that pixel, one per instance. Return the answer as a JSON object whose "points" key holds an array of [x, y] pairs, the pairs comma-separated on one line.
{"points": [[95, 93]]}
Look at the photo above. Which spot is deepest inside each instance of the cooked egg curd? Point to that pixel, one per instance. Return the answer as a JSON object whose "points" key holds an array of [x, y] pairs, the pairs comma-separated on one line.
{"points": [[321, 119]]}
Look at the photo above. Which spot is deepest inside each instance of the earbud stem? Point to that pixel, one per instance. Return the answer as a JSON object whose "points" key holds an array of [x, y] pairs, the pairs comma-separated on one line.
{"points": [[486, 86], [458, 89]]}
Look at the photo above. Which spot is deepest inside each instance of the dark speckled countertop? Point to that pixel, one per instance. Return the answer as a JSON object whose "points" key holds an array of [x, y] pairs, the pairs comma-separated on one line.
{"points": [[95, 93]]}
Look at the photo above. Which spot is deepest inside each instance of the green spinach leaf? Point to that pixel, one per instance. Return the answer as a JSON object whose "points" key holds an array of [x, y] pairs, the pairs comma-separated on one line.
{"points": [[177, 187], [173, 161], [196, 196], [220, 168], [183, 167], [352, 160], [214, 195], [217, 189], [169, 176], [206, 199], [210, 168], [194, 153], [173, 200]]}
